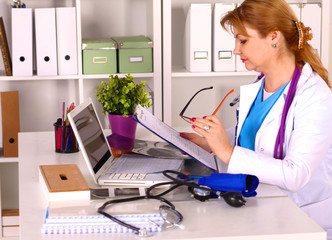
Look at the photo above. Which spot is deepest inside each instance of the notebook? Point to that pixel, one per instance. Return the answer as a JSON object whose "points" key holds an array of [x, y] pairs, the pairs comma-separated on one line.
{"points": [[126, 171]]}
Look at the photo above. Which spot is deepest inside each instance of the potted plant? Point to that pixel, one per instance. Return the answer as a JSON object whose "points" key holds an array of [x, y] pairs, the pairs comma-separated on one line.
{"points": [[119, 97]]}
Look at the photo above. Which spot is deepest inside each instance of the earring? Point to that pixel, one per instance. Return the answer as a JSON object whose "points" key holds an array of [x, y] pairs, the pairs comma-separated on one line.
{"points": [[274, 45]]}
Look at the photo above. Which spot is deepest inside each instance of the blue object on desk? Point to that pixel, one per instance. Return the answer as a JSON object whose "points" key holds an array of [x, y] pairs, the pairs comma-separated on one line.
{"points": [[242, 183]]}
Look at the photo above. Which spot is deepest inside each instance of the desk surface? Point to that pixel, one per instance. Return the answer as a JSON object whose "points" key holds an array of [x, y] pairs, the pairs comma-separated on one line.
{"points": [[262, 218]]}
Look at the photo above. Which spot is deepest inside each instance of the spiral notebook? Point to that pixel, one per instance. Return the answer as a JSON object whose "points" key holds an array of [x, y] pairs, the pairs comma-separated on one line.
{"points": [[62, 218]]}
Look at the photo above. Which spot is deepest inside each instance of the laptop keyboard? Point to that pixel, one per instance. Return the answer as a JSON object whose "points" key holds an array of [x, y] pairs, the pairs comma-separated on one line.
{"points": [[127, 176]]}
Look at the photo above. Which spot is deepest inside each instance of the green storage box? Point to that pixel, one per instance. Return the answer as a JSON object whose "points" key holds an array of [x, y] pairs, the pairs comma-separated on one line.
{"points": [[99, 56], [134, 54]]}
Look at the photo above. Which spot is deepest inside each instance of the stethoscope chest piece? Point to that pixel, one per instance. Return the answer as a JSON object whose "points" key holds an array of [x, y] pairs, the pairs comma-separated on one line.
{"points": [[200, 194]]}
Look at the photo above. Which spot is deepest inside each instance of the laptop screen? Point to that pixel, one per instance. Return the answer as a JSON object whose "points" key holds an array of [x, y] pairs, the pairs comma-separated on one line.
{"points": [[92, 137]]}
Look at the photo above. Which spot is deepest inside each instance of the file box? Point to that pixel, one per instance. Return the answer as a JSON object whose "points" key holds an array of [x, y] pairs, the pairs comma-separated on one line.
{"points": [[134, 54], [99, 56]]}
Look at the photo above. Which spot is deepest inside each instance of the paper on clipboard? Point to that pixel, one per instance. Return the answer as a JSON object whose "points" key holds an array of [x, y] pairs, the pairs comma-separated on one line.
{"points": [[170, 135]]}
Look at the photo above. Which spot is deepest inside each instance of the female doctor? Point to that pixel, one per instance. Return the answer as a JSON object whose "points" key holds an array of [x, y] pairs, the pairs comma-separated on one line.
{"points": [[284, 130]]}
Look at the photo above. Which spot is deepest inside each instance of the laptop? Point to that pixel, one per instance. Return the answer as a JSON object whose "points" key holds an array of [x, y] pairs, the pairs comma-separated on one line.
{"points": [[126, 171]]}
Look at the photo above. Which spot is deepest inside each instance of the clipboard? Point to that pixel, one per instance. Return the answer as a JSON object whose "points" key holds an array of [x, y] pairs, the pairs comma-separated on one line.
{"points": [[170, 135]]}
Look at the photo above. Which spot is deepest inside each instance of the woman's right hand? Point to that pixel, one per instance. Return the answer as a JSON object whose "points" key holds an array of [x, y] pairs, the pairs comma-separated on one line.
{"points": [[198, 140]]}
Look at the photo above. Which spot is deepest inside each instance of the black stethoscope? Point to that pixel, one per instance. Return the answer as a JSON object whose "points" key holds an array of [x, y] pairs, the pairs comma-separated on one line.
{"points": [[167, 210]]}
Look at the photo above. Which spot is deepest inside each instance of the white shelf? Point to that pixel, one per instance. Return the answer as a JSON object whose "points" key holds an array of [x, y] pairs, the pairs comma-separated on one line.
{"points": [[67, 77], [179, 71], [8, 160]]}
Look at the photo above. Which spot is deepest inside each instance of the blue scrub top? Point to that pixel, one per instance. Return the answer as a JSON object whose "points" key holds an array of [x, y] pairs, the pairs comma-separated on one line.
{"points": [[256, 116]]}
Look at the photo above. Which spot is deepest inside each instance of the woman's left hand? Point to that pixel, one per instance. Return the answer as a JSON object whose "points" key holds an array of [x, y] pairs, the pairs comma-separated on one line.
{"points": [[214, 132]]}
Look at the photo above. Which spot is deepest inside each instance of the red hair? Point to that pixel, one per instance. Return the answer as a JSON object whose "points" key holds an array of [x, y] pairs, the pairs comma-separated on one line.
{"points": [[266, 16]]}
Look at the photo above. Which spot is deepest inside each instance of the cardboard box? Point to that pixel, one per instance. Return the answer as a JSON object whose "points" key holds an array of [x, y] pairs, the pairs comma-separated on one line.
{"points": [[63, 182], [99, 56], [134, 54]]}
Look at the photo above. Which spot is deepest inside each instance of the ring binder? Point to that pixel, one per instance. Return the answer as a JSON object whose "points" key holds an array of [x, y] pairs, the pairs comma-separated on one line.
{"points": [[22, 42]]}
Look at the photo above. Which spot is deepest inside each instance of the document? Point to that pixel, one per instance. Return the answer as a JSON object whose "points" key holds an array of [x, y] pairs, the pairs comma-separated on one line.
{"points": [[170, 135]]}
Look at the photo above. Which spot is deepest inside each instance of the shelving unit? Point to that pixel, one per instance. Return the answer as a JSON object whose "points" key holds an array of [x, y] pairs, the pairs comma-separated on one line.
{"points": [[41, 97], [176, 78], [125, 20]]}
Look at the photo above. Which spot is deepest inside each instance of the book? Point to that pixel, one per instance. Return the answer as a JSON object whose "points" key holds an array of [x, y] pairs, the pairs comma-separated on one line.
{"points": [[63, 182], [10, 217], [5, 49], [10, 223]]}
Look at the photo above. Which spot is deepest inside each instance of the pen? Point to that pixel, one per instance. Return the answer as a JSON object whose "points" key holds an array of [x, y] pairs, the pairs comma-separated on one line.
{"points": [[63, 113]]}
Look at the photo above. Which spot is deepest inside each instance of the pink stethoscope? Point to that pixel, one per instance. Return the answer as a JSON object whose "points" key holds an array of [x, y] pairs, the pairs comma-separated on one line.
{"points": [[278, 147]]}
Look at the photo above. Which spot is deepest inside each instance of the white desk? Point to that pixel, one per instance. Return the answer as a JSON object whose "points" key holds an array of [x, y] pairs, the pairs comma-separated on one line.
{"points": [[262, 218]]}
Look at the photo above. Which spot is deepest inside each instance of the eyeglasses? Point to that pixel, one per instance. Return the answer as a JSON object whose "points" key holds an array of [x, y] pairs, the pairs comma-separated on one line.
{"points": [[187, 119]]}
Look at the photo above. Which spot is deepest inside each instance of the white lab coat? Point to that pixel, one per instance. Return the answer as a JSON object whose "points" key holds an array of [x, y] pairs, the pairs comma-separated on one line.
{"points": [[305, 173]]}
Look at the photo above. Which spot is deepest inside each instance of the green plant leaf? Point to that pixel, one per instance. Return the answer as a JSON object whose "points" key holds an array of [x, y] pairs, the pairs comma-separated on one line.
{"points": [[121, 95]]}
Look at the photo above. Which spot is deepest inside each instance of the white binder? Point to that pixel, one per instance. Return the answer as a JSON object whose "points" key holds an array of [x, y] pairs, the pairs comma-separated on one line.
{"points": [[66, 40], [198, 38], [22, 54], [45, 30], [223, 41], [311, 16]]}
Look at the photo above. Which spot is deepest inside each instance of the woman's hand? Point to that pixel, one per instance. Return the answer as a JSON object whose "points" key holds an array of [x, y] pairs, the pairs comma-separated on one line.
{"points": [[215, 136]]}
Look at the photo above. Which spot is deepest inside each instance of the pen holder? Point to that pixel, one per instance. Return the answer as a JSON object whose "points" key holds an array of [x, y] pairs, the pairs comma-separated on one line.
{"points": [[65, 140]]}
